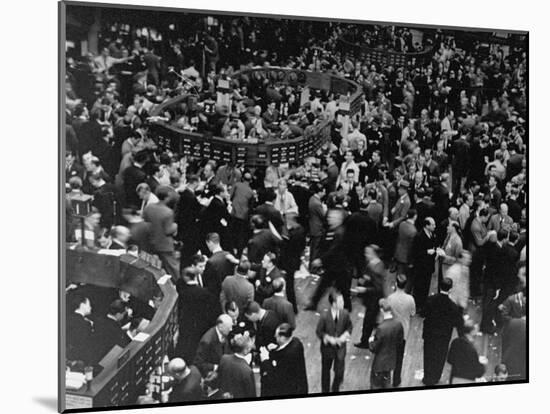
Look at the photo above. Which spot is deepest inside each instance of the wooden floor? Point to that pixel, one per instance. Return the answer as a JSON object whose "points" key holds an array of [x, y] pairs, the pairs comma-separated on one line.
{"points": [[358, 361]]}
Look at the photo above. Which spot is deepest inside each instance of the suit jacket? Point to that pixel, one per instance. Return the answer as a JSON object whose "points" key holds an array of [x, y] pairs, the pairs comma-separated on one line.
{"points": [[423, 262], [131, 177], [188, 212], [265, 329], [211, 220], [441, 315], [189, 388], [292, 249], [238, 289], [108, 333], [388, 336], [332, 177], [284, 373], [261, 243], [79, 337], [316, 217], [498, 222], [265, 289], [399, 211], [464, 359], [216, 270], [405, 238], [163, 227], [270, 213], [236, 377], [326, 326], [198, 310], [210, 351], [282, 308]]}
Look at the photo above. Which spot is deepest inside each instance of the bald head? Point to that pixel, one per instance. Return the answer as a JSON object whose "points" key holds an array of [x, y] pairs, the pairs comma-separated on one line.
{"points": [[224, 323], [453, 213], [178, 368], [504, 209]]}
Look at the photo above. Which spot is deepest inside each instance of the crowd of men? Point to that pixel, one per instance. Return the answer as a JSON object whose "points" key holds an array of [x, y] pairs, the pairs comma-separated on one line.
{"points": [[429, 179]]}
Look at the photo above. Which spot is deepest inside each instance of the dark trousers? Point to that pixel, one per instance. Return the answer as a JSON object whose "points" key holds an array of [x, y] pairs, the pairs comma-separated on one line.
{"points": [[328, 360], [381, 379], [290, 292], [422, 280], [371, 315], [399, 364], [435, 354], [189, 248], [314, 249], [239, 234], [476, 272]]}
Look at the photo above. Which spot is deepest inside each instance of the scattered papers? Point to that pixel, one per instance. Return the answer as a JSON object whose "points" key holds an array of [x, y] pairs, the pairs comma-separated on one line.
{"points": [[163, 279], [141, 337]]}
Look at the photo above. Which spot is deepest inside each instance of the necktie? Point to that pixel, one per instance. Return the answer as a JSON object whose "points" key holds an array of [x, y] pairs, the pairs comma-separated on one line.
{"points": [[336, 319]]}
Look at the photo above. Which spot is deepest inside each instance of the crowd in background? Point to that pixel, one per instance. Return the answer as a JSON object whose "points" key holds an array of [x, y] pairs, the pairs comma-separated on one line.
{"points": [[430, 178]]}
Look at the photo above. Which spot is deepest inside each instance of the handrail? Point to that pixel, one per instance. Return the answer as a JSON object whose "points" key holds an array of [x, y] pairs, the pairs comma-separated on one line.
{"points": [[117, 383]]}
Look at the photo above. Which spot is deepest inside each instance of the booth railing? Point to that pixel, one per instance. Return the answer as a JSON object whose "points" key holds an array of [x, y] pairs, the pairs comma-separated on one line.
{"points": [[262, 152], [124, 376]]}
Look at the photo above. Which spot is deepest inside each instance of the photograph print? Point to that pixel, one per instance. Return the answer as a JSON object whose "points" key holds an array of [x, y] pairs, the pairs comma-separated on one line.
{"points": [[261, 206]]}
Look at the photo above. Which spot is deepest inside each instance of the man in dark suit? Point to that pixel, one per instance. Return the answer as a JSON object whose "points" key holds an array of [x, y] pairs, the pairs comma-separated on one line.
{"points": [[236, 288], [187, 381], [265, 277], [219, 265], [317, 215], [213, 345], [461, 163], [360, 231], [423, 255], [279, 304], [187, 218], [236, 378], [294, 244], [215, 218], [163, 230], [332, 172], [72, 167], [371, 287], [384, 344], [132, 177], [268, 211], [80, 330], [441, 315], [334, 330], [105, 200], [197, 312], [266, 323], [108, 331], [284, 368], [263, 240], [403, 248]]}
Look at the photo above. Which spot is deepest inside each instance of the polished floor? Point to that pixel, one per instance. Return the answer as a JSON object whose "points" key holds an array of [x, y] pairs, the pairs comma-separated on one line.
{"points": [[358, 361]]}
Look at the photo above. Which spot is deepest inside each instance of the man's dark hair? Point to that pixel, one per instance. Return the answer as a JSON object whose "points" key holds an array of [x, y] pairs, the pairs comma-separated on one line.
{"points": [[193, 179], [484, 212], [411, 213], [285, 329], [446, 284], [117, 306], [502, 234], [252, 308], [198, 258], [141, 157], [333, 295], [243, 267], [316, 188], [257, 221], [75, 300], [401, 280], [163, 193], [270, 195], [213, 238], [190, 273]]}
